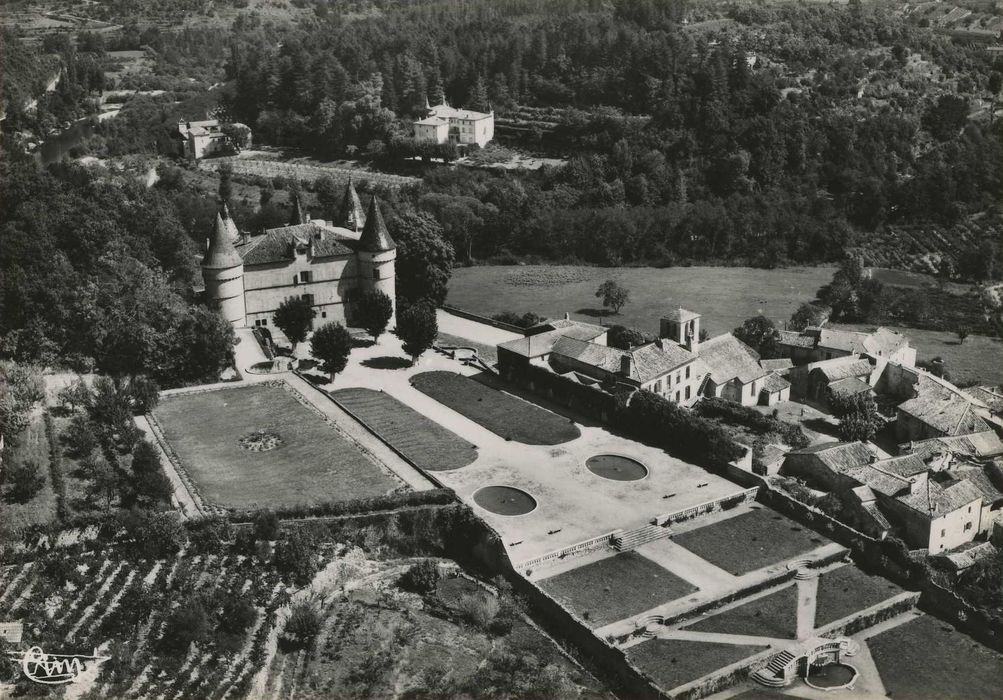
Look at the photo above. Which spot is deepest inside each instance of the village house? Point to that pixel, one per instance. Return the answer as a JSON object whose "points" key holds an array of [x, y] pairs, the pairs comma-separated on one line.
{"points": [[815, 344], [849, 375], [445, 124], [937, 410], [734, 371], [328, 263]]}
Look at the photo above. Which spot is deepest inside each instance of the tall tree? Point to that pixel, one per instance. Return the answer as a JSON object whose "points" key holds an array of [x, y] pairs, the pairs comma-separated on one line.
{"points": [[613, 295], [424, 259], [331, 344], [418, 328], [375, 309], [294, 318], [760, 334]]}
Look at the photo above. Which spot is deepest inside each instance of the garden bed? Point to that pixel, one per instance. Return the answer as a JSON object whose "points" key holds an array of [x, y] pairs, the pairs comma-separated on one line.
{"points": [[673, 662], [314, 462], [750, 541], [616, 588], [420, 439], [501, 413]]}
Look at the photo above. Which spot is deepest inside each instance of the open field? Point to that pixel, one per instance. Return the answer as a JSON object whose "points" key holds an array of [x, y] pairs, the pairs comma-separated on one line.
{"points": [[749, 541], [420, 439], [501, 413], [725, 296], [674, 662], [927, 658], [615, 588], [313, 463]]}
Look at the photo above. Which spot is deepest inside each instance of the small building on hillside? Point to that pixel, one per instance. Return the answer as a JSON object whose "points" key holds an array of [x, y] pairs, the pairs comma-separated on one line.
{"points": [[209, 137], [445, 124]]}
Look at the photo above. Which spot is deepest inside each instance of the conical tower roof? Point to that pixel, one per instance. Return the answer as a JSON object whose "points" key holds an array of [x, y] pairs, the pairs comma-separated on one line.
{"points": [[375, 237], [231, 226], [351, 215], [221, 254], [299, 216]]}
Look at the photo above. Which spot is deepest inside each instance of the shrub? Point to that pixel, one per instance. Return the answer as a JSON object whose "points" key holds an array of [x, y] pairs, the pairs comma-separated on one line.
{"points": [[237, 617], [479, 610], [626, 338], [421, 578], [296, 558], [210, 534], [25, 480], [266, 526], [526, 320], [303, 624], [189, 623]]}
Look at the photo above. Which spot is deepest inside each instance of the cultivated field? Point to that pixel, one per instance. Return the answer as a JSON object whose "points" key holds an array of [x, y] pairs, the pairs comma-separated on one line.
{"points": [[501, 413], [724, 296], [674, 662], [615, 588], [420, 439], [313, 461], [927, 658], [749, 541]]}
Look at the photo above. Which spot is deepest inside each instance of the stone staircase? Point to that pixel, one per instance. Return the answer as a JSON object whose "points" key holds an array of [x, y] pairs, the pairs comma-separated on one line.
{"points": [[772, 674], [632, 539]]}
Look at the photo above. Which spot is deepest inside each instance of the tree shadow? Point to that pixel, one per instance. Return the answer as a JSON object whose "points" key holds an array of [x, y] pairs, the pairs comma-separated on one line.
{"points": [[820, 425], [302, 365], [387, 362], [362, 342], [595, 313], [315, 378]]}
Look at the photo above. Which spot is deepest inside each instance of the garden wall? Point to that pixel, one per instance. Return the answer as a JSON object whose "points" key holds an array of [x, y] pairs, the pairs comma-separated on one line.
{"points": [[483, 319], [577, 549], [949, 606], [718, 504]]}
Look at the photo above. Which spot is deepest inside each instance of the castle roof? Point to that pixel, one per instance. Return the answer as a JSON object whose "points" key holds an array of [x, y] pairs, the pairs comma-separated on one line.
{"points": [[231, 226], [221, 253], [279, 245], [351, 215], [375, 237], [299, 215]]}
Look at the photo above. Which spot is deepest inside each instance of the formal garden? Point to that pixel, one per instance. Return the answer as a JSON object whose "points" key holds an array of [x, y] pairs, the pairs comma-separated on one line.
{"points": [[615, 588], [420, 439], [750, 541], [675, 662], [262, 446], [501, 413]]}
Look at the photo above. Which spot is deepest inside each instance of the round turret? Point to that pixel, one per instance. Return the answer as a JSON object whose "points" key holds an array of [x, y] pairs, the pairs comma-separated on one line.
{"points": [[377, 255], [223, 273]]}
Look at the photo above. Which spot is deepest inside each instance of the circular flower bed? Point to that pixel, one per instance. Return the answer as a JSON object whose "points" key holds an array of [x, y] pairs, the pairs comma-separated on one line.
{"points": [[505, 500], [259, 441], [616, 467]]}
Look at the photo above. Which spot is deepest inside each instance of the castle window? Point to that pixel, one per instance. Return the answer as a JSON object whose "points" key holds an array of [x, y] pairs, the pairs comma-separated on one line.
{"points": [[323, 314], [306, 277], [309, 298], [968, 526]]}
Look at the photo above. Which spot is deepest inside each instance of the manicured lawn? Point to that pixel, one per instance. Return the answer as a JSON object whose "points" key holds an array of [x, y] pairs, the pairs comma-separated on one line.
{"points": [[420, 439], [501, 413], [314, 463], [750, 541], [929, 659], [773, 615], [30, 446], [615, 588], [673, 662], [725, 296], [845, 590]]}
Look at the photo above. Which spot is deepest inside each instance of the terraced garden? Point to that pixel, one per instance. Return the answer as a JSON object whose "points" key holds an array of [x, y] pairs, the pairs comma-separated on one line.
{"points": [[312, 462], [674, 662], [423, 441], [750, 541], [501, 413], [615, 588]]}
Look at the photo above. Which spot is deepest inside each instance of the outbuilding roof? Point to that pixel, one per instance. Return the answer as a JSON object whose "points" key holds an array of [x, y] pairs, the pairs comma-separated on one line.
{"points": [[542, 344], [850, 386], [774, 383], [680, 315], [948, 412], [935, 500], [648, 362], [838, 456], [729, 358]]}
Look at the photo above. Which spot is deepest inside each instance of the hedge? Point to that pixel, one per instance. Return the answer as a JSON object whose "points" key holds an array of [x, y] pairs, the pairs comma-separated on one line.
{"points": [[56, 468], [753, 420], [392, 501]]}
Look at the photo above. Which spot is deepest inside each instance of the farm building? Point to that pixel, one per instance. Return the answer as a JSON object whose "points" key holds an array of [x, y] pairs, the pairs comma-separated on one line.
{"points": [[815, 344]]}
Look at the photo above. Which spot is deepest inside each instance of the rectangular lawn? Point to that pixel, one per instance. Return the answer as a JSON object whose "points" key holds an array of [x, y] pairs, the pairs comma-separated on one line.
{"points": [[420, 439], [313, 463], [844, 591], [773, 615], [750, 541], [674, 662], [615, 588], [501, 413]]}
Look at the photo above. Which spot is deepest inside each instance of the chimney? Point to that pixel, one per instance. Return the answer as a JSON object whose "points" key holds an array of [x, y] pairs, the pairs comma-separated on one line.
{"points": [[626, 364], [567, 316]]}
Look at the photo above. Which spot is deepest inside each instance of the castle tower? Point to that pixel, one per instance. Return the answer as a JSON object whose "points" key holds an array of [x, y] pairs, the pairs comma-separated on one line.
{"points": [[223, 272], [231, 226], [299, 215], [377, 255], [681, 327], [351, 215]]}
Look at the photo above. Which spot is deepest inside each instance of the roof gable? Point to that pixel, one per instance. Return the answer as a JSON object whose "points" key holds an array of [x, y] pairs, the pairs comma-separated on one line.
{"points": [[729, 358]]}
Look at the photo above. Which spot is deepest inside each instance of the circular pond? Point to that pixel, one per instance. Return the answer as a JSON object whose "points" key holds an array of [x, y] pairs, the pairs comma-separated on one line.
{"points": [[616, 467], [831, 676], [505, 500]]}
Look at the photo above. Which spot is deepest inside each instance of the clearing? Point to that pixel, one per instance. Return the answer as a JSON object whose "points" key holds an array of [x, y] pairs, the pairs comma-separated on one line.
{"points": [[290, 456], [423, 441], [749, 541], [615, 588], [501, 413]]}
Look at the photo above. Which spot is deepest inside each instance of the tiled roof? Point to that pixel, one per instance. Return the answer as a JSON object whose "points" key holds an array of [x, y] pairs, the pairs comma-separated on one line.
{"points": [[774, 383], [543, 343], [221, 253], [375, 238], [432, 121], [849, 385], [839, 456], [351, 215], [992, 396], [884, 342], [447, 112], [936, 500], [904, 465], [648, 362], [978, 476], [984, 444], [968, 555], [845, 341], [949, 412], [729, 358], [680, 315], [558, 323], [879, 481], [842, 367], [796, 339], [279, 245], [773, 454], [779, 365]]}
